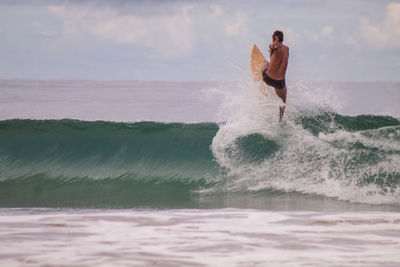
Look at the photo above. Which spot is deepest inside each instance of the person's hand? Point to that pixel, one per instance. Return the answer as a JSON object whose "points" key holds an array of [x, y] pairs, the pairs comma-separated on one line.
{"points": [[273, 46]]}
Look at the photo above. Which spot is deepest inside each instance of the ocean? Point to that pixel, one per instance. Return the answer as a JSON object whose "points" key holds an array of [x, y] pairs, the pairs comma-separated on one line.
{"points": [[156, 173]]}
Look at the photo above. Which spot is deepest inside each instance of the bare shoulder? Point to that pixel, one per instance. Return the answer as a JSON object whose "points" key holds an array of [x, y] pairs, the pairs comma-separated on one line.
{"points": [[286, 47]]}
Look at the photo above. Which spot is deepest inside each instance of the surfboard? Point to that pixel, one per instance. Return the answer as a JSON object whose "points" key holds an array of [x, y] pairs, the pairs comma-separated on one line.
{"points": [[257, 59]]}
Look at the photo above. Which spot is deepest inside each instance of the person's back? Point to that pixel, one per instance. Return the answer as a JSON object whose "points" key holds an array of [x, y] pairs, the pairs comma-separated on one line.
{"points": [[279, 60]]}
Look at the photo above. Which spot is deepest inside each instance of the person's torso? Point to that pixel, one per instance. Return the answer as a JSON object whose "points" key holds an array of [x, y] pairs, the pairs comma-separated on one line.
{"points": [[278, 63]]}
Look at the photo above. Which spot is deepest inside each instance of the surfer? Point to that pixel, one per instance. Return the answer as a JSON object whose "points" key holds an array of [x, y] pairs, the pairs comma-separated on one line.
{"points": [[274, 72]]}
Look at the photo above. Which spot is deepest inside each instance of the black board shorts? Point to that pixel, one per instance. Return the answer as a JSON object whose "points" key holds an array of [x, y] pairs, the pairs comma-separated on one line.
{"points": [[279, 85]]}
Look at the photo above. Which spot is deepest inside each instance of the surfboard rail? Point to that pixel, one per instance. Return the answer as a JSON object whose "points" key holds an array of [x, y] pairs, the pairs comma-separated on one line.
{"points": [[257, 59]]}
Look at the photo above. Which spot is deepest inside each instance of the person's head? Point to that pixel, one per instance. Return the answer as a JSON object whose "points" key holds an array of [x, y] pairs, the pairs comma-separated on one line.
{"points": [[278, 35]]}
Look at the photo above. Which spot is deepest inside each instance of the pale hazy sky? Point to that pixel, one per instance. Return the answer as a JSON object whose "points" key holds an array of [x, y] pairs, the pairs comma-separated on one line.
{"points": [[340, 40]]}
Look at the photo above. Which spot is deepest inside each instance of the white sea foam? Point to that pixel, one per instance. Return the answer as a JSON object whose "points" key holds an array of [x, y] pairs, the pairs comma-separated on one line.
{"points": [[227, 237], [327, 164]]}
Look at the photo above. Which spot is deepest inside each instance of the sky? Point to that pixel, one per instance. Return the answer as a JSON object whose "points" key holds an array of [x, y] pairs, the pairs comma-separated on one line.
{"points": [[340, 40]]}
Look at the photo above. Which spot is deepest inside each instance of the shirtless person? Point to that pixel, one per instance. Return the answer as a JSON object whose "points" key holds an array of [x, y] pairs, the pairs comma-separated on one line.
{"points": [[275, 71]]}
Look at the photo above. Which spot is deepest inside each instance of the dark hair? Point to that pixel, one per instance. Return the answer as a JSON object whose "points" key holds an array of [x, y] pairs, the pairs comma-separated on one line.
{"points": [[279, 35]]}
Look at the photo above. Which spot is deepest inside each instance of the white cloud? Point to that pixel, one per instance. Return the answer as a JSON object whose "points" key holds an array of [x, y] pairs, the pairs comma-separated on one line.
{"points": [[238, 26], [386, 33], [216, 11], [326, 31], [351, 41], [40, 30], [178, 31], [168, 34]]}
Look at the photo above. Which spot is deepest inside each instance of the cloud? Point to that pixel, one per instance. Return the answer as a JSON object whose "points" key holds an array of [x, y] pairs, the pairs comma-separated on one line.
{"points": [[238, 26], [40, 30], [167, 33], [352, 42], [385, 34], [326, 31], [324, 34], [177, 29], [215, 11]]}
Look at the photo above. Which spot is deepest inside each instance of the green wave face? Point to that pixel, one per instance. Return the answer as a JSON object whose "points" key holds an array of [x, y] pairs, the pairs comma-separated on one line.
{"points": [[98, 150], [76, 163], [68, 163]]}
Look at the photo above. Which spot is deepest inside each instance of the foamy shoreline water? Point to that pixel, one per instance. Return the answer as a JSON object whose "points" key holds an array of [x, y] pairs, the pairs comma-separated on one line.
{"points": [[232, 237]]}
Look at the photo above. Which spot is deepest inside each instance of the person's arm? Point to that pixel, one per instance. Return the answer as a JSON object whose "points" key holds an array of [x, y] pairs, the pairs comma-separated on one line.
{"points": [[272, 46]]}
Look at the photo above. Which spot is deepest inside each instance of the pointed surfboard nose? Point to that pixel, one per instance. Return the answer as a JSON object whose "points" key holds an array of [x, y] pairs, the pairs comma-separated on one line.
{"points": [[257, 59]]}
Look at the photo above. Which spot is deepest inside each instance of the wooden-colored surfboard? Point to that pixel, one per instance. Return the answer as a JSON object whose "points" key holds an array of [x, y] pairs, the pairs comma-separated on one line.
{"points": [[257, 59]]}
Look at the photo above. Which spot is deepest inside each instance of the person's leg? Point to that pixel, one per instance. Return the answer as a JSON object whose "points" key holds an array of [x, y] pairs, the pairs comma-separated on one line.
{"points": [[281, 112], [264, 67], [282, 94]]}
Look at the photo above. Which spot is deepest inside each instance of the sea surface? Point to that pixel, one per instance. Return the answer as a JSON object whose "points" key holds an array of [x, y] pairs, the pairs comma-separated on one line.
{"points": [[152, 173]]}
